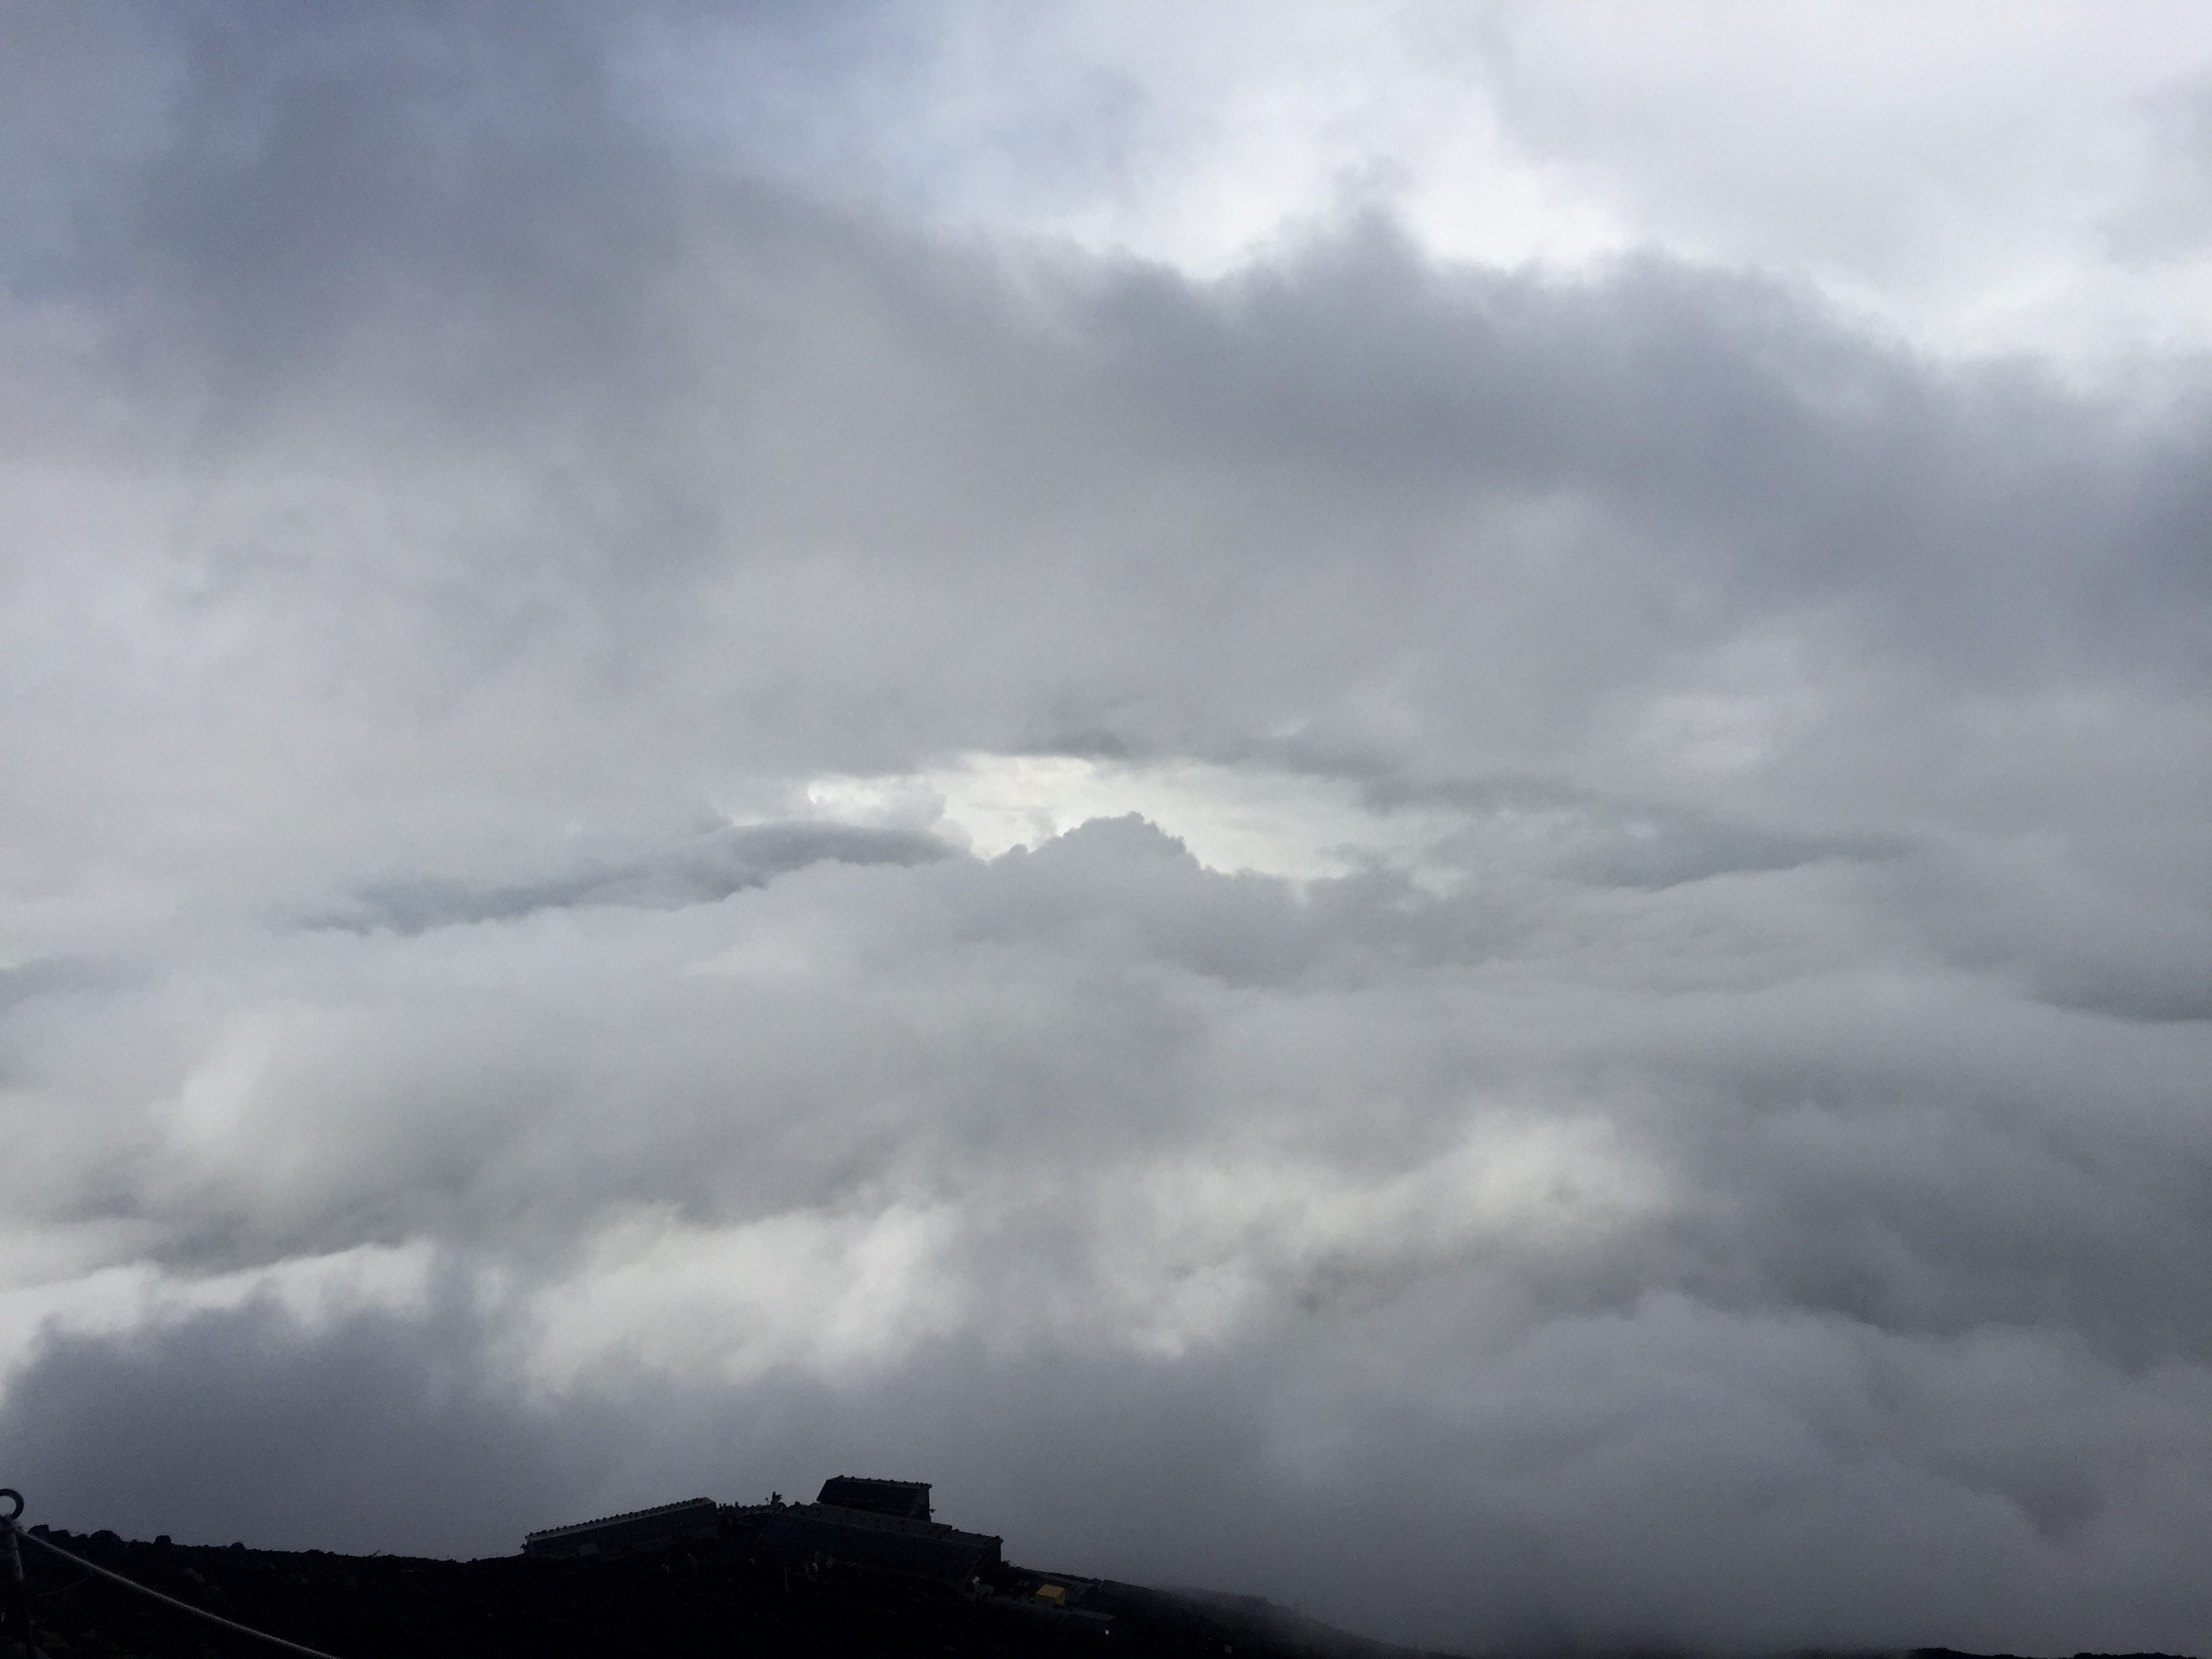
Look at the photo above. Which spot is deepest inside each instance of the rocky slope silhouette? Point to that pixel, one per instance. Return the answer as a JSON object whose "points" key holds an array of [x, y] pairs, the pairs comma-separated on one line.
{"points": [[715, 1597], [710, 1598]]}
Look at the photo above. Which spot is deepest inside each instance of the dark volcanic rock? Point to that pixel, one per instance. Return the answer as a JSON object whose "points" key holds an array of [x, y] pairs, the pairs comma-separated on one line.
{"points": [[714, 1598], [710, 1598]]}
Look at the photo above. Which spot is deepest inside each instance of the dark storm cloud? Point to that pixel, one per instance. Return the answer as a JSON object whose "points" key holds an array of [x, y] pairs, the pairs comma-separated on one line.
{"points": [[1721, 1157], [378, 1432], [449, 219], [1436, 520], [710, 866], [1615, 1480], [1630, 842]]}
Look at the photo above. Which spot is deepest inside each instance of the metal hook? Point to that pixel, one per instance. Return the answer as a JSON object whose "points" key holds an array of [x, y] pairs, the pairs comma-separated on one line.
{"points": [[9, 1492]]}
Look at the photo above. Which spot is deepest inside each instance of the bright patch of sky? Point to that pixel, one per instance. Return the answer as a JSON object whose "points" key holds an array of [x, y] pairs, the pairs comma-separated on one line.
{"points": [[1232, 819], [1978, 180]]}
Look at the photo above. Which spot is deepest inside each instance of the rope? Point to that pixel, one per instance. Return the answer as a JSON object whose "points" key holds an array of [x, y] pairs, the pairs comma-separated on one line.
{"points": [[143, 1589]]}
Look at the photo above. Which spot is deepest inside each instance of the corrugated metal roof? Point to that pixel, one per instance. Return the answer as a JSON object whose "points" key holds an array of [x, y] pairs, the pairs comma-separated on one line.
{"points": [[907, 1499], [686, 1504]]}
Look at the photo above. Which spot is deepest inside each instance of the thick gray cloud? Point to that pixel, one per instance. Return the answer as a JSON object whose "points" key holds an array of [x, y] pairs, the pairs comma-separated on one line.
{"points": [[1521, 954], [711, 865]]}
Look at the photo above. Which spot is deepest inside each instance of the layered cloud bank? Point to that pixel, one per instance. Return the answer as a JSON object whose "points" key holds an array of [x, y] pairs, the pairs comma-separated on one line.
{"points": [[1524, 954]]}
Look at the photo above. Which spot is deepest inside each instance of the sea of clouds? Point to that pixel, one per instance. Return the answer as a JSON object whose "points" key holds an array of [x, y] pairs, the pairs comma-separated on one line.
{"points": [[1525, 956]]}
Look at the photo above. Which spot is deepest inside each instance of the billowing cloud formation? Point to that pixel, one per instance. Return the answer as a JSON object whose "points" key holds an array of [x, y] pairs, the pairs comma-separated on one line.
{"points": [[1523, 954]]}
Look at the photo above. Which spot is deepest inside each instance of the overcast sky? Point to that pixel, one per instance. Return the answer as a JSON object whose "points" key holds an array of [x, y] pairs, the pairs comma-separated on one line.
{"points": [[1400, 805]]}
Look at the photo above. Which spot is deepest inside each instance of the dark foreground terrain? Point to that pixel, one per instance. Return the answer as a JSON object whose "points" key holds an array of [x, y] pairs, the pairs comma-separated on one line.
{"points": [[717, 1599]]}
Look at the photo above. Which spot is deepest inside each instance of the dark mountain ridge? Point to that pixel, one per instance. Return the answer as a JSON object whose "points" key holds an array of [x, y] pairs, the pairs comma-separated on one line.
{"points": [[708, 1595]]}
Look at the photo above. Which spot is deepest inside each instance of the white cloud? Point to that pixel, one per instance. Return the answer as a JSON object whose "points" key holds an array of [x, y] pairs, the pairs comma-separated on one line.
{"points": [[1558, 909], [827, 1294], [138, 1297], [1956, 175], [1232, 818]]}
